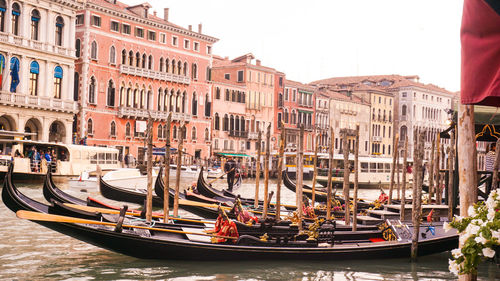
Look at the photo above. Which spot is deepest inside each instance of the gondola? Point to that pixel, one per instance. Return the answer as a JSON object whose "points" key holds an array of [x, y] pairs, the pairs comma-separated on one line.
{"points": [[139, 197], [155, 244], [207, 190]]}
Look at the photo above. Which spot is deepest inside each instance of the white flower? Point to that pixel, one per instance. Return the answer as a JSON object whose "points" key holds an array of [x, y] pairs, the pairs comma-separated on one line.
{"points": [[488, 252], [447, 227], [456, 253], [453, 267], [495, 234], [458, 218], [491, 214], [471, 211], [480, 240]]}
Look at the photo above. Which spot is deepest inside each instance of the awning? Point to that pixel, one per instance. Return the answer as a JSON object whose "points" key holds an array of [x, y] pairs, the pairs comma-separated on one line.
{"points": [[232, 154]]}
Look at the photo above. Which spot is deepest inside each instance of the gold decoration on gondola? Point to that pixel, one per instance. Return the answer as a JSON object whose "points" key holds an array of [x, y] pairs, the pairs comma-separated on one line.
{"points": [[389, 235], [264, 237], [294, 218], [313, 231], [383, 226]]}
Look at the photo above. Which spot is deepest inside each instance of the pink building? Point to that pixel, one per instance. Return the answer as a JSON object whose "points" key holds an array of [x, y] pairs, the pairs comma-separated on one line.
{"points": [[258, 83], [298, 109], [132, 63]]}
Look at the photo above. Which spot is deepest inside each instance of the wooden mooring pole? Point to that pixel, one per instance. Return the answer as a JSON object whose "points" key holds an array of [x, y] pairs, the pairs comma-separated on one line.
{"points": [[266, 171], [403, 187], [149, 196], [346, 187], [166, 171], [437, 181], [315, 171], [393, 169], [467, 167], [178, 171], [300, 174], [356, 168], [280, 170], [417, 194], [451, 163], [257, 170], [398, 173], [330, 170], [431, 172]]}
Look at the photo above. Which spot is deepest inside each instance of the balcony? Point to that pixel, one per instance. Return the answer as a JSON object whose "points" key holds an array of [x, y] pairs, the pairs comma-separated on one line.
{"points": [[376, 138], [238, 134], [253, 135], [307, 127], [130, 112], [44, 103], [168, 77]]}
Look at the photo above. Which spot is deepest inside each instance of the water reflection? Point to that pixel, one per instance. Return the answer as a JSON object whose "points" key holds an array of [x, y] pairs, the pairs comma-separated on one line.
{"points": [[31, 252]]}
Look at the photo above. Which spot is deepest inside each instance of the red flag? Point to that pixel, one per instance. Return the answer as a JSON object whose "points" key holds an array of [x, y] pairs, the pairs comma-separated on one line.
{"points": [[480, 37]]}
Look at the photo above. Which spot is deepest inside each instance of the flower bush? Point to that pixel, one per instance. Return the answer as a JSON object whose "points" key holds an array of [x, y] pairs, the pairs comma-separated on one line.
{"points": [[479, 235]]}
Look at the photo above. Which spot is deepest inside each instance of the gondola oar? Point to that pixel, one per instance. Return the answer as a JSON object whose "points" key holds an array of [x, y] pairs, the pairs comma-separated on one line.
{"points": [[36, 216], [212, 181], [110, 211]]}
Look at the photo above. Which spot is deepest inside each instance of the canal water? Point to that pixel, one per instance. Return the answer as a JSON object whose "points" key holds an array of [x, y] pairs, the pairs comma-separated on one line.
{"points": [[31, 252]]}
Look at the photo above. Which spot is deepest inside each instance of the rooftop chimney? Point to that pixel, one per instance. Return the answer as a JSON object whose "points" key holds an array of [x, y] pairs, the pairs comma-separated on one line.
{"points": [[190, 27], [154, 13], [257, 62], [165, 14], [199, 28]]}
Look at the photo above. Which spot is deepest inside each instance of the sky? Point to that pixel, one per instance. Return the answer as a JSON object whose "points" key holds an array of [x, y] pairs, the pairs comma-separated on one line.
{"points": [[318, 39]]}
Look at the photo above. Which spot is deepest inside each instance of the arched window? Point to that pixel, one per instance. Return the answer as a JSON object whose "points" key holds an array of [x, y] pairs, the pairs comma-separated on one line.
{"points": [[90, 127], [208, 106], [286, 116], [238, 97], [123, 98], [136, 98], [165, 131], [130, 98], [179, 67], [403, 110], [58, 76], [111, 94], [144, 60], [112, 129], [171, 102], [124, 56], [35, 25], [231, 123], [150, 62], [16, 15], [183, 109], [160, 131], [194, 109], [143, 99], [217, 93], [225, 123], [59, 31], [127, 129], [159, 102], [207, 134], [137, 59], [216, 122], [167, 65], [3, 8], [174, 66], [112, 55], [34, 73], [131, 58], [185, 69], [161, 65], [78, 46], [174, 132], [76, 86], [193, 134], [402, 132], [390, 115], [93, 50], [92, 91], [166, 101], [227, 95]]}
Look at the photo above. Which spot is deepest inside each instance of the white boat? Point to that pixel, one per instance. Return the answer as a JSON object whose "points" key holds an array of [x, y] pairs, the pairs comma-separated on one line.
{"points": [[186, 171], [67, 159], [123, 177], [215, 173]]}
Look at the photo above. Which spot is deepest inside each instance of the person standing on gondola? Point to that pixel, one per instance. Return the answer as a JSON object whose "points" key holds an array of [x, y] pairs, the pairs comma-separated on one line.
{"points": [[230, 169]]}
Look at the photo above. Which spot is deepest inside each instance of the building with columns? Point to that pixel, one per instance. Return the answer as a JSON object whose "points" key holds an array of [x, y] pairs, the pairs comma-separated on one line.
{"points": [[132, 63], [37, 68]]}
